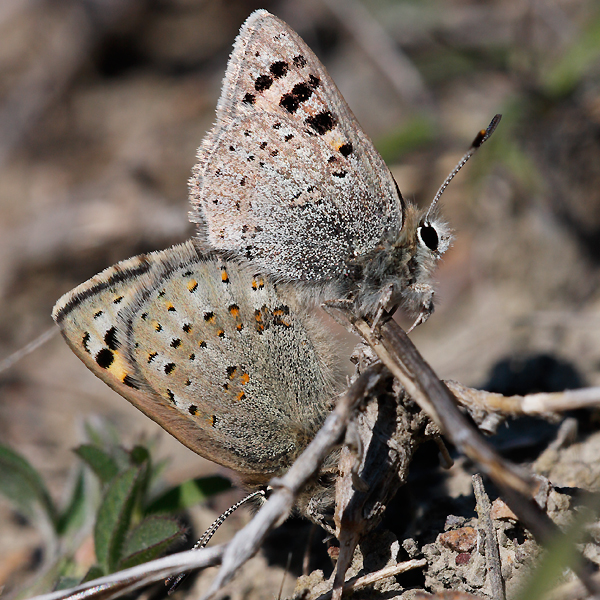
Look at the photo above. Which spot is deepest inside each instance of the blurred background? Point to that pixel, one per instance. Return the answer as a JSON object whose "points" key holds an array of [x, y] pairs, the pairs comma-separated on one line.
{"points": [[104, 102]]}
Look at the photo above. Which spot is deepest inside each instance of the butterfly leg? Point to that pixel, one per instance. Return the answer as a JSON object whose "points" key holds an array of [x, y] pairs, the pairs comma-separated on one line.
{"points": [[332, 307], [425, 293], [386, 308]]}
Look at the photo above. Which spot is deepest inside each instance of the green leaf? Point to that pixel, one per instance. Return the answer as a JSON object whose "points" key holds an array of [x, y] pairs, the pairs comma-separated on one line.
{"points": [[122, 458], [23, 486], [94, 572], [150, 540], [139, 455], [64, 583], [73, 516], [103, 465], [114, 516], [189, 493]]}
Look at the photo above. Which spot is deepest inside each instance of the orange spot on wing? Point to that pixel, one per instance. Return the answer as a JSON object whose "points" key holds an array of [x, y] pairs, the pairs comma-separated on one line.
{"points": [[258, 283], [260, 326]]}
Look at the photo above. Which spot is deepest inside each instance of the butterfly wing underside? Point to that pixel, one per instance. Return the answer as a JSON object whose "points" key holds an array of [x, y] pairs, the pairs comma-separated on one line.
{"points": [[287, 178], [207, 350]]}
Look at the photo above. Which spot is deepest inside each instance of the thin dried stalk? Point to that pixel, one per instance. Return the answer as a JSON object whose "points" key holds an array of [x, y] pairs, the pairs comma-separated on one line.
{"points": [[129, 580], [540, 404]]}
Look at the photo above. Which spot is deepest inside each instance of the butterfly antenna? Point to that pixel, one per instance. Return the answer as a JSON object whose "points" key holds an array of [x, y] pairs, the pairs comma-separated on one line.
{"points": [[481, 137], [175, 581]]}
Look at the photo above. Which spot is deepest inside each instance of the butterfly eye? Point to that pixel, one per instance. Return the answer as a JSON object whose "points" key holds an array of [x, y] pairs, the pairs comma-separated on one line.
{"points": [[429, 237]]}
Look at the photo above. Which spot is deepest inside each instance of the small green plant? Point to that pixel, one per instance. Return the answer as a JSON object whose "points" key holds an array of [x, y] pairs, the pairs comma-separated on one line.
{"points": [[117, 495]]}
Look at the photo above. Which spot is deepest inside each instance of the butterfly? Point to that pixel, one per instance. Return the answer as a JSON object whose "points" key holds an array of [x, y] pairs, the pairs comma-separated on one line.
{"points": [[294, 205], [211, 352]]}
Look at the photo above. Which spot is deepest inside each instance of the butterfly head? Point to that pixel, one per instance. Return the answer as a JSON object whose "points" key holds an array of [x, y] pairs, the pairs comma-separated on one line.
{"points": [[399, 271]]}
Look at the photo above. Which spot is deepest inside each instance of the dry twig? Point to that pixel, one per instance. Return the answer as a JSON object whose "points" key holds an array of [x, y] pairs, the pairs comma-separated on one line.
{"points": [[533, 404], [130, 580], [492, 552], [357, 583]]}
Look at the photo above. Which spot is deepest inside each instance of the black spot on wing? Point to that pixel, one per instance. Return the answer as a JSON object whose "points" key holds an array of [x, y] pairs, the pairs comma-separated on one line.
{"points": [[289, 102], [263, 82], [105, 358], [84, 342], [346, 149], [279, 69], [300, 93], [130, 382], [321, 122], [110, 338], [299, 61]]}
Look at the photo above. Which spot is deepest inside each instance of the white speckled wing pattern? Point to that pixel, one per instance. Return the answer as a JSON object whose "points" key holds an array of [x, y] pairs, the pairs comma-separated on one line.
{"points": [[287, 178], [209, 351]]}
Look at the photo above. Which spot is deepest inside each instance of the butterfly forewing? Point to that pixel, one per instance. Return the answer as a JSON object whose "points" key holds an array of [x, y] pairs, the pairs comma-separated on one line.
{"points": [[87, 317], [286, 177]]}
